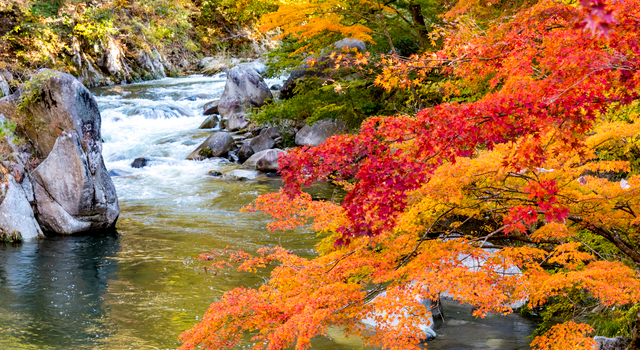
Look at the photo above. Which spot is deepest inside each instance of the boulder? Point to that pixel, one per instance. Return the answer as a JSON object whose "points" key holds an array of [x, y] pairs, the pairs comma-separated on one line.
{"points": [[617, 343], [318, 133], [209, 123], [241, 175], [73, 191], [214, 173], [139, 163], [245, 153], [211, 108], [70, 197], [350, 44], [236, 122], [276, 87], [273, 132], [217, 145], [265, 161], [16, 215], [261, 143], [244, 89]]}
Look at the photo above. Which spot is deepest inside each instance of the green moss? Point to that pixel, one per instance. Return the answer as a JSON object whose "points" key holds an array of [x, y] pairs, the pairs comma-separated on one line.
{"points": [[13, 237], [207, 153]]}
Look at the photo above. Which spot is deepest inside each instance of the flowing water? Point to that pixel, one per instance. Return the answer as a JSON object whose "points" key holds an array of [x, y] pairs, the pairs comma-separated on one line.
{"points": [[140, 287]]}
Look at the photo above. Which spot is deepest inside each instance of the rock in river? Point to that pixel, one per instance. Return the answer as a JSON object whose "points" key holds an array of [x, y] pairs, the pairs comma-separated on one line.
{"points": [[265, 161], [73, 191], [217, 145], [245, 88]]}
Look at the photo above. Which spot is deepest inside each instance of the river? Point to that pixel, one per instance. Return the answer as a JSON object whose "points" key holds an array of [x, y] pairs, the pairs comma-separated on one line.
{"points": [[139, 287]]}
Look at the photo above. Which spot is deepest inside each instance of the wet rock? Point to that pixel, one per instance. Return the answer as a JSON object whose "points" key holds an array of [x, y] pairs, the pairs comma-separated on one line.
{"points": [[197, 97], [214, 173], [233, 156], [217, 145], [209, 123], [211, 108], [617, 343], [236, 122], [273, 132], [318, 133], [139, 163], [241, 175], [261, 143], [16, 215], [73, 191], [276, 87], [244, 89], [223, 123], [349, 44], [119, 173], [265, 161], [245, 153]]}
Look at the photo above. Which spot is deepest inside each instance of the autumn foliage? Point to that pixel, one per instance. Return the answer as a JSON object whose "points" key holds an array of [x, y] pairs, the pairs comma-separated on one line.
{"points": [[540, 173]]}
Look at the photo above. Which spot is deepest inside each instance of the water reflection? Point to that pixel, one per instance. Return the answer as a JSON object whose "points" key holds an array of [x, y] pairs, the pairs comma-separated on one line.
{"points": [[51, 291]]}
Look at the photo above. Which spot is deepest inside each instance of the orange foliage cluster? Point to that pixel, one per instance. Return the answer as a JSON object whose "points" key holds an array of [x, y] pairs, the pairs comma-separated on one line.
{"points": [[453, 199]]}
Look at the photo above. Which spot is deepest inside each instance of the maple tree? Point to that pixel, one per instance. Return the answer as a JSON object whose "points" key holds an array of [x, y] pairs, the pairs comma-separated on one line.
{"points": [[540, 172]]}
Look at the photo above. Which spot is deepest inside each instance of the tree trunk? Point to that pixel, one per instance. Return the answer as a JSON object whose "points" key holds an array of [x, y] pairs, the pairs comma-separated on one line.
{"points": [[635, 335], [421, 26]]}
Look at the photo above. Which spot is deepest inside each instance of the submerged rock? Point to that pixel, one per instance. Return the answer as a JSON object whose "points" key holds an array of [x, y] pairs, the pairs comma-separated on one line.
{"points": [[240, 175], [318, 133], [139, 163], [119, 173], [217, 145]]}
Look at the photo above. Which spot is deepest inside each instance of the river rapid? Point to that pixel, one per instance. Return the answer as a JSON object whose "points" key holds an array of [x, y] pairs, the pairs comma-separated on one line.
{"points": [[140, 287]]}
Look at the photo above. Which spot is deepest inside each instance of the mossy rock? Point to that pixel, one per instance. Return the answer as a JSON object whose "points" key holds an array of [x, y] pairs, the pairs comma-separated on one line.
{"points": [[13, 237]]}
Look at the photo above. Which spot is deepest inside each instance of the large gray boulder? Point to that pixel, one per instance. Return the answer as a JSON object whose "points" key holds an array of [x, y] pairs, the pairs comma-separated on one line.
{"points": [[73, 191], [318, 133], [261, 143], [217, 145], [16, 214], [245, 152], [617, 343], [245, 89], [266, 161]]}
